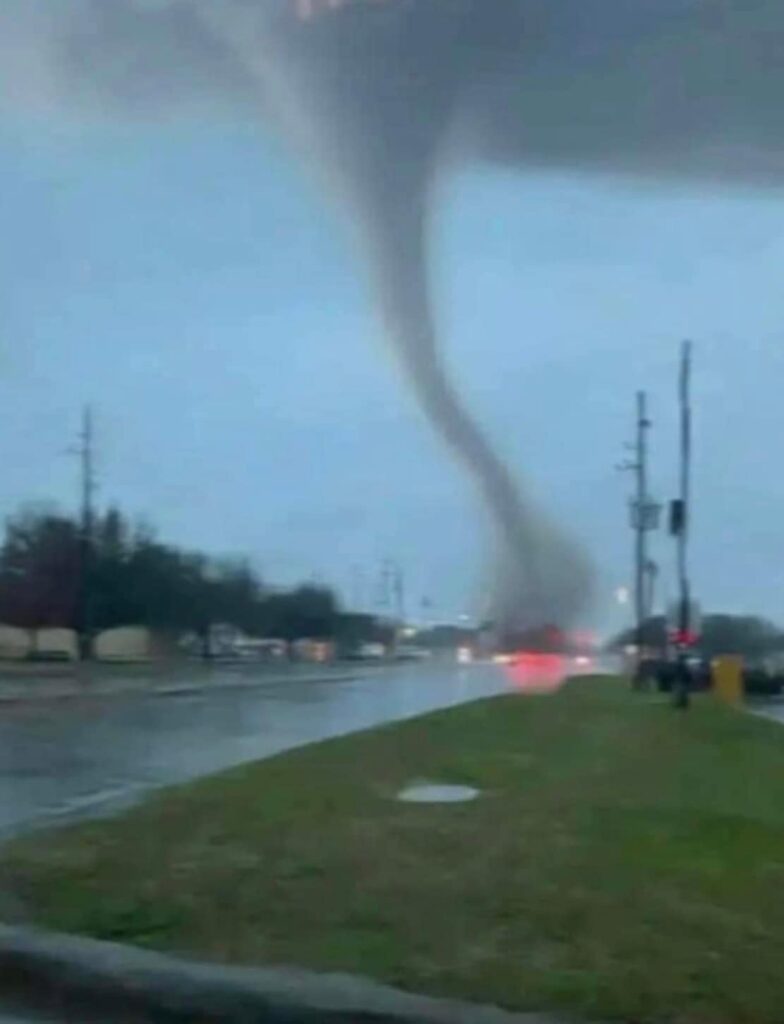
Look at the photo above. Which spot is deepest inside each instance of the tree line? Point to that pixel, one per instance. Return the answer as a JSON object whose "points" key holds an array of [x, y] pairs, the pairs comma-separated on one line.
{"points": [[747, 635], [51, 574]]}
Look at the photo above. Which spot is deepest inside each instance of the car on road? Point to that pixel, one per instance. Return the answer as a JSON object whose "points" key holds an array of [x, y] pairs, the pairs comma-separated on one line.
{"points": [[367, 652], [410, 652]]}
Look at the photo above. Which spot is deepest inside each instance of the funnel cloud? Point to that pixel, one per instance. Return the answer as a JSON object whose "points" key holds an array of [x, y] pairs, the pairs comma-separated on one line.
{"points": [[384, 96]]}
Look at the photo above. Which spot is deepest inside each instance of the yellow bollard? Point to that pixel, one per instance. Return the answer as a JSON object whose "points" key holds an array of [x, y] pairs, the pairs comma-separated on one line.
{"points": [[727, 673]]}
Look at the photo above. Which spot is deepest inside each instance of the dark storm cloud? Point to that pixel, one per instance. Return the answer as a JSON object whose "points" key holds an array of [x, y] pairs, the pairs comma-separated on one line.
{"points": [[384, 95]]}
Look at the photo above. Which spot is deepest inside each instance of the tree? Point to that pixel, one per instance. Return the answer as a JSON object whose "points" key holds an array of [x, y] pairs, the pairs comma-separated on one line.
{"points": [[39, 570], [353, 629], [307, 611], [747, 635], [653, 634], [237, 595], [135, 579]]}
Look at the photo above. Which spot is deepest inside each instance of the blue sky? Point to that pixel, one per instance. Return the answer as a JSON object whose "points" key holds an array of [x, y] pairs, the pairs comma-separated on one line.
{"points": [[190, 283]]}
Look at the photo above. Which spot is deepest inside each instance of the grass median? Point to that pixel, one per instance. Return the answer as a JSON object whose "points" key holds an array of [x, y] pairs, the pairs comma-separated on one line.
{"points": [[624, 860]]}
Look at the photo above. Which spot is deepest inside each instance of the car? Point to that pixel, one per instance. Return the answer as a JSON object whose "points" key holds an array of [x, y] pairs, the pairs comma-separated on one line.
{"points": [[409, 652]]}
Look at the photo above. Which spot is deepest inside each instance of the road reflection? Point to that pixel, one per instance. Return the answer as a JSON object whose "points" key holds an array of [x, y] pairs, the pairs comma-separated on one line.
{"points": [[85, 756], [537, 673]]}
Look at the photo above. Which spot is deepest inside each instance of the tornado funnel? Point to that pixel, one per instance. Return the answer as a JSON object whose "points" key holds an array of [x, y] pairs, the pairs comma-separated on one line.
{"points": [[371, 107]]}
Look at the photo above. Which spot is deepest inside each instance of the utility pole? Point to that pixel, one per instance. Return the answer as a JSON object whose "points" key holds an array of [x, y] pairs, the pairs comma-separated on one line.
{"points": [[685, 488], [383, 592], [680, 521], [400, 594], [86, 453], [638, 519], [652, 574], [644, 515]]}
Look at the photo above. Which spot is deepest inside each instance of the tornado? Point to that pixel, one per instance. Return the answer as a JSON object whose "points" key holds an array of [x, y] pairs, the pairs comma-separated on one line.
{"points": [[361, 89], [384, 97]]}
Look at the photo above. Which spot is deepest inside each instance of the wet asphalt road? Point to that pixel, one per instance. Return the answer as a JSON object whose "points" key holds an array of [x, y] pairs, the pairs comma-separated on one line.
{"points": [[75, 758], [772, 708]]}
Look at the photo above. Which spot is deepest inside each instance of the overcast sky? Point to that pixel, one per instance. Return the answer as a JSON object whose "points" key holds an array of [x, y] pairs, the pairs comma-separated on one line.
{"points": [[189, 283]]}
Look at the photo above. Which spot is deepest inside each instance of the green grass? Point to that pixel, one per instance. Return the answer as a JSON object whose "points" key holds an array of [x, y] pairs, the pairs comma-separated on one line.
{"points": [[626, 861]]}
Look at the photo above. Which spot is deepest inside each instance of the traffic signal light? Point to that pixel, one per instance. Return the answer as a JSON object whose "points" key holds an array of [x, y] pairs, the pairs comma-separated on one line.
{"points": [[684, 637], [677, 517]]}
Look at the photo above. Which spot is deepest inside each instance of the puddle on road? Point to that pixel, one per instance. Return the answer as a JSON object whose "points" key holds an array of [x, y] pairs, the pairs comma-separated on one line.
{"points": [[437, 793]]}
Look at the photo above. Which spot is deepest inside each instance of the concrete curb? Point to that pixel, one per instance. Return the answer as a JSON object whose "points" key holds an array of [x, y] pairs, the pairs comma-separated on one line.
{"points": [[72, 978]]}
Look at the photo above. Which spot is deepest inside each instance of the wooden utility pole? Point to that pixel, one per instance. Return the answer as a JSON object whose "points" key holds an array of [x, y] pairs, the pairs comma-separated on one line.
{"points": [[86, 453], [680, 523], [644, 516], [685, 491], [639, 515]]}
